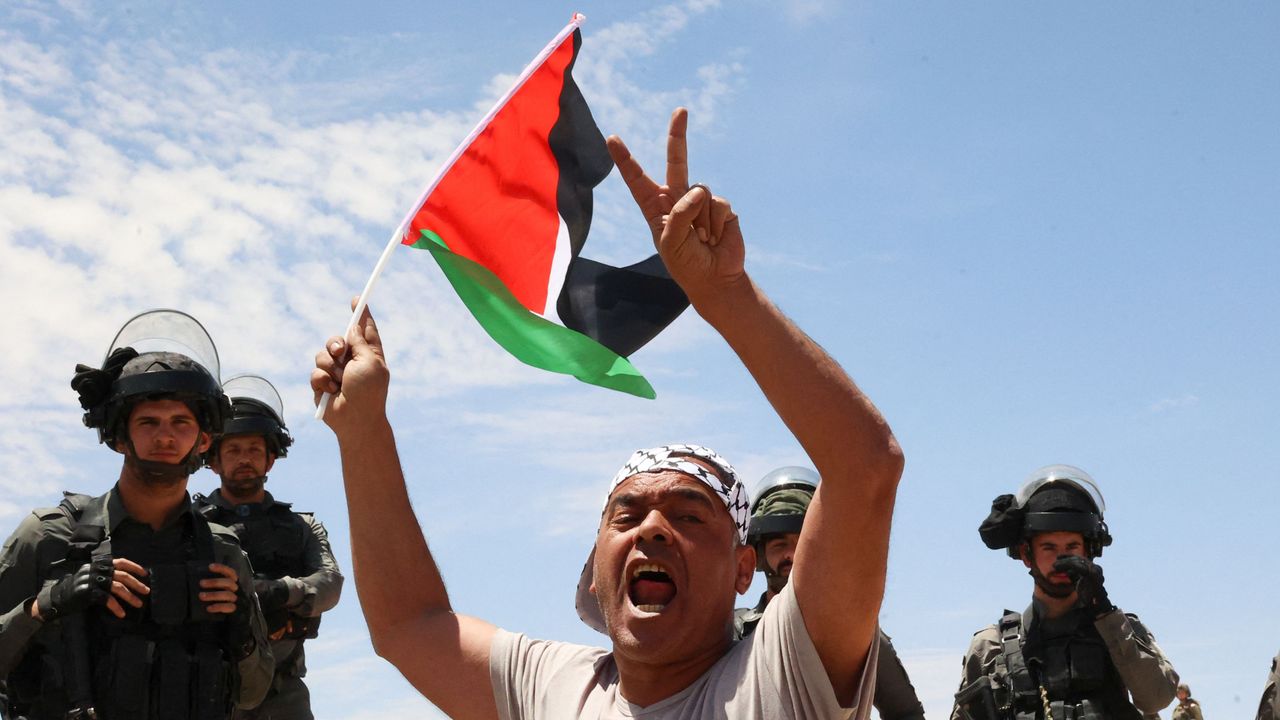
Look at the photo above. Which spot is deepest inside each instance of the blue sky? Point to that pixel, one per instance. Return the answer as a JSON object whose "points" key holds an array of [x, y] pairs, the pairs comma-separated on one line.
{"points": [[1033, 234]]}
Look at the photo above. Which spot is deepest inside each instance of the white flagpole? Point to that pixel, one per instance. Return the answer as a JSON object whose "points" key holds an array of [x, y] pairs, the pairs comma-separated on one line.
{"points": [[397, 237]]}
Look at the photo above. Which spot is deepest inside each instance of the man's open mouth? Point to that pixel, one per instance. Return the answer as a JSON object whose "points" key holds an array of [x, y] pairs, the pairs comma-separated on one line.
{"points": [[650, 589]]}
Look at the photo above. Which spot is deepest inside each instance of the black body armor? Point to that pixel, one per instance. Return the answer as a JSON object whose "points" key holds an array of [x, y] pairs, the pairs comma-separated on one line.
{"points": [[167, 660], [275, 540], [1061, 665]]}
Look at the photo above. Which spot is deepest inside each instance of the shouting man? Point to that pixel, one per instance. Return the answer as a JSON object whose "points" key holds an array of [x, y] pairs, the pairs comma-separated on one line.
{"points": [[671, 552]]}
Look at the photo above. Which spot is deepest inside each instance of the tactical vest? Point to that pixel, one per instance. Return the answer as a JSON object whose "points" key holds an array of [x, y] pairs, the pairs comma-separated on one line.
{"points": [[1069, 675], [167, 660], [275, 540]]}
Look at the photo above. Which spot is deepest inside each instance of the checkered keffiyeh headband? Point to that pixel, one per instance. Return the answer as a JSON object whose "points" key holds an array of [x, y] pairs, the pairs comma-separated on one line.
{"points": [[726, 486]]}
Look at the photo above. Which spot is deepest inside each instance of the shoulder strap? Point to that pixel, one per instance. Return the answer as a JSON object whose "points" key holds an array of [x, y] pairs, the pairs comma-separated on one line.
{"points": [[88, 531], [203, 537], [1024, 689]]}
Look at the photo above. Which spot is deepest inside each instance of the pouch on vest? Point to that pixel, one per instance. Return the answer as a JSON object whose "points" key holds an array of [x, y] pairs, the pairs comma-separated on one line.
{"points": [[977, 701], [196, 571], [169, 595], [128, 677], [1088, 666], [211, 687], [173, 679]]}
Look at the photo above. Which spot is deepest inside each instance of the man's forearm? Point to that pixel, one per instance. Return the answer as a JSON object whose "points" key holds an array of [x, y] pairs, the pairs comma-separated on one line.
{"points": [[843, 550], [19, 584], [839, 428], [396, 577], [1150, 679], [17, 627]]}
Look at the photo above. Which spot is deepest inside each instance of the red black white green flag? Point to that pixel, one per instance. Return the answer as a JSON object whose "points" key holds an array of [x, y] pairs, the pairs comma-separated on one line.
{"points": [[507, 219]]}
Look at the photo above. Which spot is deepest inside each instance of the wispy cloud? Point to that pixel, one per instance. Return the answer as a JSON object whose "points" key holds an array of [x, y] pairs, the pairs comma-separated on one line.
{"points": [[802, 12], [1174, 403]]}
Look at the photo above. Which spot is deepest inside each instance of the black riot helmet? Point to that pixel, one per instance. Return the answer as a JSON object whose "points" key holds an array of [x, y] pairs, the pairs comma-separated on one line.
{"points": [[778, 507], [1053, 498], [256, 409], [157, 355]]}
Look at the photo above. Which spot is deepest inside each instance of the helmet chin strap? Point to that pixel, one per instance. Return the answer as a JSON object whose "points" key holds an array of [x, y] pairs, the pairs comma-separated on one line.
{"points": [[156, 471]]}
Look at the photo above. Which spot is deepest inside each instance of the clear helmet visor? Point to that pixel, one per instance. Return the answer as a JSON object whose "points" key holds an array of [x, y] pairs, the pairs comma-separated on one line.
{"points": [[166, 330], [792, 476], [1064, 475], [257, 389]]}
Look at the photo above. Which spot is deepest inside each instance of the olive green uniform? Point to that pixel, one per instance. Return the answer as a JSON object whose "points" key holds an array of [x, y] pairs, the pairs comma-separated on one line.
{"points": [[1189, 710], [894, 699], [41, 540], [293, 547], [1134, 675], [1269, 708]]}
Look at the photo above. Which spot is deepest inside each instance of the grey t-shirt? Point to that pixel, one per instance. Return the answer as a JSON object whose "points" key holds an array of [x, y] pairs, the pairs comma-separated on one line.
{"points": [[773, 674]]}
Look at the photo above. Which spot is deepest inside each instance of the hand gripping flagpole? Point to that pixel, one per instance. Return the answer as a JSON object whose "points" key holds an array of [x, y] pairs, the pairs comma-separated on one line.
{"points": [[398, 237]]}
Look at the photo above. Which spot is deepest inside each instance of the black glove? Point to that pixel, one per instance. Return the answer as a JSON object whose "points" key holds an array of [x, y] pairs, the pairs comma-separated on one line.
{"points": [[90, 585], [240, 629], [272, 594], [1087, 577]]}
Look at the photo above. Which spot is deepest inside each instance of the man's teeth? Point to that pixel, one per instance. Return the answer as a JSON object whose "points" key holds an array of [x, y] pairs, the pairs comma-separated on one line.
{"points": [[649, 567], [650, 608]]}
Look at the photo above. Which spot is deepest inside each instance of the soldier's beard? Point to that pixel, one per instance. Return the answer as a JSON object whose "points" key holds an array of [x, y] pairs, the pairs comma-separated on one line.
{"points": [[777, 578], [1052, 589], [243, 487]]}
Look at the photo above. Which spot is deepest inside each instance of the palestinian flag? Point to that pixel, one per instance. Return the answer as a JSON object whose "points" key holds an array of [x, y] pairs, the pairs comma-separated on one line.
{"points": [[506, 221]]}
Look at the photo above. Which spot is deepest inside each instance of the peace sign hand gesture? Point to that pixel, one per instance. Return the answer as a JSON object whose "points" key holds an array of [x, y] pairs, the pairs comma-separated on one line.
{"points": [[697, 235]]}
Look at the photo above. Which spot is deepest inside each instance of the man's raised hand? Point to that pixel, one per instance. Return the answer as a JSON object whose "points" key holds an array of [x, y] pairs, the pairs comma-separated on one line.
{"points": [[697, 235], [354, 370]]}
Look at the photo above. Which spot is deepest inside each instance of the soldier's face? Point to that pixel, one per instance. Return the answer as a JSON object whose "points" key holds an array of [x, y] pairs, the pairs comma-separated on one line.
{"points": [[1040, 553], [164, 431], [667, 569], [780, 553], [242, 462]]}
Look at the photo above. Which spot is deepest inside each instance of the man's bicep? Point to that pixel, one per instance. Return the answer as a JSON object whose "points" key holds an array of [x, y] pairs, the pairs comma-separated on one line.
{"points": [[19, 564], [839, 577], [446, 657]]}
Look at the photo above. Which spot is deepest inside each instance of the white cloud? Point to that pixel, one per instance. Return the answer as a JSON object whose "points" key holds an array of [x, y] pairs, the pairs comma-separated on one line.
{"points": [[255, 192]]}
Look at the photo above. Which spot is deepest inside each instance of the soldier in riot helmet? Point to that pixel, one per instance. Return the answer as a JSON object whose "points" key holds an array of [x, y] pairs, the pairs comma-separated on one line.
{"points": [[1072, 654], [130, 605], [296, 576], [777, 514]]}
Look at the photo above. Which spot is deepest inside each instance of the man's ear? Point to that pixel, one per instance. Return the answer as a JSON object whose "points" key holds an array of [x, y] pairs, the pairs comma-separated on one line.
{"points": [[1024, 552], [746, 557], [271, 460], [205, 441]]}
